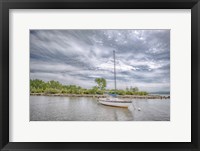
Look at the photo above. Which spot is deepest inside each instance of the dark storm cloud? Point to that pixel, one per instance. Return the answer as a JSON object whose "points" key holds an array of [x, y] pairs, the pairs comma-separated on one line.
{"points": [[80, 56]]}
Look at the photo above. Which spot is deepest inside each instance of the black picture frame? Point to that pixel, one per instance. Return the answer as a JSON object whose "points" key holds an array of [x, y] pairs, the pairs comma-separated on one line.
{"points": [[5, 5]]}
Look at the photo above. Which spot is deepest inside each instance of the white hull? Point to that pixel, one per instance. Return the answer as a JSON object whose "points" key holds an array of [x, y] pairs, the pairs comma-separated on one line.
{"points": [[116, 103]]}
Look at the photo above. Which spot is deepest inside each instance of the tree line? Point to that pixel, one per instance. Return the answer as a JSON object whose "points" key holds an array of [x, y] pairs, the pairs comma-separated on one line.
{"points": [[54, 87]]}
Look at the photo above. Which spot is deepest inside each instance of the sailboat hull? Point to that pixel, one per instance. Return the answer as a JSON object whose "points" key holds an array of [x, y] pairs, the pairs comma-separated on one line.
{"points": [[124, 104]]}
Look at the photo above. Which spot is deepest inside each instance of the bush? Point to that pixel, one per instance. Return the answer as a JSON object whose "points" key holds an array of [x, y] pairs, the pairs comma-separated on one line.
{"points": [[51, 91], [34, 90], [64, 91]]}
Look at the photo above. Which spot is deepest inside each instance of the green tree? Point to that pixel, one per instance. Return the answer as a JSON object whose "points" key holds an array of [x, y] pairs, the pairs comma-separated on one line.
{"points": [[135, 89], [37, 86], [101, 83], [54, 84]]}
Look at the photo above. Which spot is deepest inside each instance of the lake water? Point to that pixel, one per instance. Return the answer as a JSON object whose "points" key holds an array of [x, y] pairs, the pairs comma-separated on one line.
{"points": [[54, 108]]}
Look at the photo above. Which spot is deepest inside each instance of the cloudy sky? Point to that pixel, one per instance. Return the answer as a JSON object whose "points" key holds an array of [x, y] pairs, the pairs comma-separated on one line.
{"points": [[79, 56]]}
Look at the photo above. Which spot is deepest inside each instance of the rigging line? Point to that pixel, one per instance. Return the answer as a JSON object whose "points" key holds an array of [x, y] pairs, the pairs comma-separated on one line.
{"points": [[114, 70]]}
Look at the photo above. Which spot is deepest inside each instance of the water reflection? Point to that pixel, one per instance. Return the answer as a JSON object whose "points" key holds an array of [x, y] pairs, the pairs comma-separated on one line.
{"points": [[45, 108]]}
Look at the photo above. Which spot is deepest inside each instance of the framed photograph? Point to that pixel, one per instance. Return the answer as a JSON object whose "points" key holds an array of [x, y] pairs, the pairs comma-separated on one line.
{"points": [[84, 75]]}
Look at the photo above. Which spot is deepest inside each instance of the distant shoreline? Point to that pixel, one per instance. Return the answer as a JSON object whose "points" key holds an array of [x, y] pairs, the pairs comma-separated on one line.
{"points": [[103, 96]]}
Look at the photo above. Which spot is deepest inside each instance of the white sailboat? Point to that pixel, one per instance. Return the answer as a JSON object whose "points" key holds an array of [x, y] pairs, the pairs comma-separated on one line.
{"points": [[114, 101]]}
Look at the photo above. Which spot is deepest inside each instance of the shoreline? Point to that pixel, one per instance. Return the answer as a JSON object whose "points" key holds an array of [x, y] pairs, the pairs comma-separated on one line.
{"points": [[104, 96]]}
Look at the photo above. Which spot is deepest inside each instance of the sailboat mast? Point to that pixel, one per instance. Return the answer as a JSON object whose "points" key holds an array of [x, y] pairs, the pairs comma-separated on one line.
{"points": [[114, 70]]}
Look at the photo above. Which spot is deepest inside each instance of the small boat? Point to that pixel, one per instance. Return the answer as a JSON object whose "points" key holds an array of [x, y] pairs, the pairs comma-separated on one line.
{"points": [[114, 101]]}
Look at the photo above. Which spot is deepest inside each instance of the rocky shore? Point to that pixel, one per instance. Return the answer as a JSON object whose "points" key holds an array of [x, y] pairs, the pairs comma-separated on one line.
{"points": [[103, 96]]}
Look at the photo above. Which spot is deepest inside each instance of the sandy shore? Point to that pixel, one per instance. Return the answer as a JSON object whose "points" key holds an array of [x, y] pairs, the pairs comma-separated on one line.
{"points": [[103, 96]]}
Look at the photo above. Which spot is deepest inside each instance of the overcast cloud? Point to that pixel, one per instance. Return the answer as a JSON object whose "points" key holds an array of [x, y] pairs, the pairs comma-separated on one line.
{"points": [[79, 56]]}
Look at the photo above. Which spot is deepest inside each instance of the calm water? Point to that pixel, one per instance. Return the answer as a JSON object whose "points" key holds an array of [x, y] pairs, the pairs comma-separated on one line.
{"points": [[44, 108]]}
